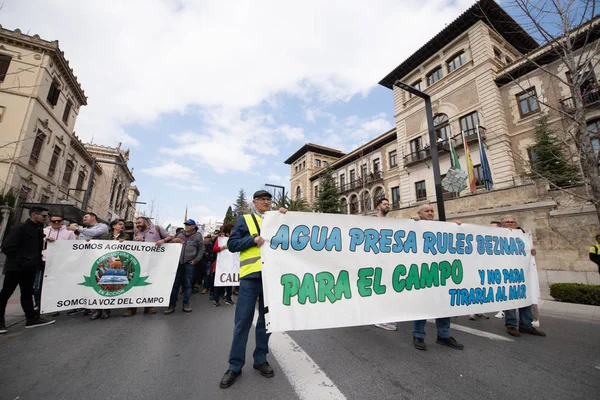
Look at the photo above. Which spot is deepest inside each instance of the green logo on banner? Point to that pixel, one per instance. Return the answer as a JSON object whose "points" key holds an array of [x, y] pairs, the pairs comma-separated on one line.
{"points": [[115, 273]]}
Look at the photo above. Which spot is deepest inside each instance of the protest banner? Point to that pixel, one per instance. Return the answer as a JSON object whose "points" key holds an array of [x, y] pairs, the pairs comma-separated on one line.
{"points": [[107, 274], [227, 272], [326, 270]]}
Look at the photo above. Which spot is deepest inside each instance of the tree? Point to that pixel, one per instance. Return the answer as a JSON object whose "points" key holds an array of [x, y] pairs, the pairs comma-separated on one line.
{"points": [[548, 159], [567, 32], [328, 200], [229, 218], [291, 205], [241, 206]]}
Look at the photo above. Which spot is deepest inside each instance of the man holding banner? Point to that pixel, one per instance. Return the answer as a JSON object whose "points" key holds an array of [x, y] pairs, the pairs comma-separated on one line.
{"points": [[427, 213], [247, 240]]}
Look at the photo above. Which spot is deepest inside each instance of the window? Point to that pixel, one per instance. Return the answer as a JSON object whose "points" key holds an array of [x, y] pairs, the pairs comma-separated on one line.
{"points": [[45, 199], [37, 147], [497, 53], [421, 190], [68, 172], [80, 180], [54, 160], [442, 127], [378, 195], [354, 204], [457, 61], [296, 169], [416, 145], [303, 164], [316, 194], [344, 206], [113, 189], [478, 171], [363, 171], [528, 103], [325, 164], [4, 63], [469, 122], [396, 195], [418, 85], [298, 193], [317, 163], [342, 181], [434, 76], [393, 158], [352, 176], [67, 112], [508, 60], [532, 155], [376, 165], [366, 201], [53, 93]]}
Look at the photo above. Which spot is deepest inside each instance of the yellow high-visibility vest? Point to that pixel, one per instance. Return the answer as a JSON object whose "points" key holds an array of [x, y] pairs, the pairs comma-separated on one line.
{"points": [[595, 249], [250, 258]]}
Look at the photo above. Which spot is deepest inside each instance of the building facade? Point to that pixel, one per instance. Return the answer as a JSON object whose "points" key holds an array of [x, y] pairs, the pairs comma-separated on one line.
{"points": [[112, 195], [484, 92], [40, 98]]}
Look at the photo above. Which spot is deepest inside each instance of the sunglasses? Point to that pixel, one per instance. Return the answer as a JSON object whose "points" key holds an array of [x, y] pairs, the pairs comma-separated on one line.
{"points": [[56, 221]]}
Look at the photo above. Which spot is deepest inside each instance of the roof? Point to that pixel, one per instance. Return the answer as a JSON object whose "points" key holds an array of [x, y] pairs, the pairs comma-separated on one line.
{"points": [[356, 154], [486, 11], [20, 39], [315, 148], [580, 36]]}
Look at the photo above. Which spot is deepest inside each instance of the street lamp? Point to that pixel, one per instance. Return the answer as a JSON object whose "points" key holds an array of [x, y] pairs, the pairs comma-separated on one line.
{"points": [[437, 178], [86, 198], [278, 187]]}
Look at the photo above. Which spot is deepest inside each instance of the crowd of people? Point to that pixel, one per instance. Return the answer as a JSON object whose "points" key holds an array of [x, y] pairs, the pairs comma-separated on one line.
{"points": [[26, 245], [24, 267]]}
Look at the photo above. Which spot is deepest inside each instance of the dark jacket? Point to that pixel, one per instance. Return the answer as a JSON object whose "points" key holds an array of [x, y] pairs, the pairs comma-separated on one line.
{"points": [[241, 240], [208, 252], [192, 249], [23, 247], [109, 236]]}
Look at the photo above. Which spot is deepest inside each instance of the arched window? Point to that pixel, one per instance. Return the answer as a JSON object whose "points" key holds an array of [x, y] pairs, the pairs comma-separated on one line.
{"points": [[343, 206], [366, 201], [442, 127], [354, 204], [298, 193], [378, 194], [594, 132]]}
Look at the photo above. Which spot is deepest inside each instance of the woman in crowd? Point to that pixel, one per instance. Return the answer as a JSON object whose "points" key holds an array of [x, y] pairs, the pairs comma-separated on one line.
{"points": [[116, 232]]}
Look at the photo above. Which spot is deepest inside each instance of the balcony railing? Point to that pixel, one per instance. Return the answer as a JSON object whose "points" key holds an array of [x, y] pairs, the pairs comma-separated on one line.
{"points": [[444, 146], [362, 182], [590, 99]]}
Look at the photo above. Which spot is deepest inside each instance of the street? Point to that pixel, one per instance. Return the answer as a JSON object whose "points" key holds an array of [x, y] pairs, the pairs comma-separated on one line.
{"points": [[183, 356]]}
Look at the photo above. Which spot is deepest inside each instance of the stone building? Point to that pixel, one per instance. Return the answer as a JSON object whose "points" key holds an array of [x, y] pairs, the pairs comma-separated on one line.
{"points": [[484, 90], [41, 158], [112, 194]]}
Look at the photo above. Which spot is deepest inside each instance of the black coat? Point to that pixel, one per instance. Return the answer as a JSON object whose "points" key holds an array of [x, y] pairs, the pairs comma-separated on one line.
{"points": [[23, 247]]}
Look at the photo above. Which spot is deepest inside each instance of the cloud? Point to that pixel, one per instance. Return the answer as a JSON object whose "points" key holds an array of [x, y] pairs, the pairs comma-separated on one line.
{"points": [[155, 57], [188, 187], [352, 131], [170, 170]]}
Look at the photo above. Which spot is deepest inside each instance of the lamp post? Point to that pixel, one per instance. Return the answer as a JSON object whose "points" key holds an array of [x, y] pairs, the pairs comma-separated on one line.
{"points": [[86, 198], [278, 187], [437, 178]]}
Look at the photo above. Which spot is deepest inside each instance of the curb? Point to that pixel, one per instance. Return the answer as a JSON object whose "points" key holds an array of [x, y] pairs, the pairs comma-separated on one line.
{"points": [[560, 309]]}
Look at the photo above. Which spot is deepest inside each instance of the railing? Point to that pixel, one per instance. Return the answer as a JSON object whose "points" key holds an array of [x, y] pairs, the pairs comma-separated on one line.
{"points": [[364, 181], [444, 145], [590, 99]]}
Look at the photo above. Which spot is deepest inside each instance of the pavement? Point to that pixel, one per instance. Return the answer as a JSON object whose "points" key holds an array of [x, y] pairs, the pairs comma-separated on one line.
{"points": [[183, 356]]}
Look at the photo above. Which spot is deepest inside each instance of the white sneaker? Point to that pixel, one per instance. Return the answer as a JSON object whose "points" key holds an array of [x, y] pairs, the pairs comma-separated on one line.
{"points": [[535, 323], [500, 314], [390, 326]]}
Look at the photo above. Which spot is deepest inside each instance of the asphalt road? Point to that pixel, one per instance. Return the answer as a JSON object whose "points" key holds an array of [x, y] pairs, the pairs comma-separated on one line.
{"points": [[183, 356]]}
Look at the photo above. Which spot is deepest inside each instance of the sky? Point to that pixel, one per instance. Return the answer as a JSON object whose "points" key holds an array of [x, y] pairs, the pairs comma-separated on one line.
{"points": [[212, 96]]}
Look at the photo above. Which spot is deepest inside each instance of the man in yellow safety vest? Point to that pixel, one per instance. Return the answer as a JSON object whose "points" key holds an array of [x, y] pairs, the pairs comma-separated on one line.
{"points": [[246, 239], [595, 253]]}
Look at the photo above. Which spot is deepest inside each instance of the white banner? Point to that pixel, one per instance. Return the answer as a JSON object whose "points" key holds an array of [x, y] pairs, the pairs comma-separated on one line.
{"points": [[327, 270], [108, 274], [227, 272]]}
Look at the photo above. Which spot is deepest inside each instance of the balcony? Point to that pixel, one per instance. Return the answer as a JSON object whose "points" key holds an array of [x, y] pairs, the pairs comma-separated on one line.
{"points": [[591, 99], [363, 182]]}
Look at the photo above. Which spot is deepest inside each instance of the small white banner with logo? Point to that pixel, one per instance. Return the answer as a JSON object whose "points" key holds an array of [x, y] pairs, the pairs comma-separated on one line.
{"points": [[103, 274], [326, 270], [227, 272]]}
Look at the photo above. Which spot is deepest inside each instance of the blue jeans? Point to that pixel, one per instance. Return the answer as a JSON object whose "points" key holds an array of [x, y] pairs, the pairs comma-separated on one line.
{"points": [[525, 317], [443, 328], [185, 272], [37, 288], [250, 291], [207, 275]]}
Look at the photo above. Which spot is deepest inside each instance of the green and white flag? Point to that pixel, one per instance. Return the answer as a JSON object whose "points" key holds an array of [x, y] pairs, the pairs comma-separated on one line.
{"points": [[454, 158]]}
